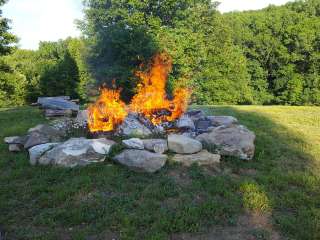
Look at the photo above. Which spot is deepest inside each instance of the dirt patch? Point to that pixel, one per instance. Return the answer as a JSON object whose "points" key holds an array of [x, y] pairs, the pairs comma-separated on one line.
{"points": [[249, 226]]}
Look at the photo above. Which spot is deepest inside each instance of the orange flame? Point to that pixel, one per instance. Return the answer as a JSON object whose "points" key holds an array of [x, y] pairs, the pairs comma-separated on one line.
{"points": [[152, 98], [150, 101], [107, 112]]}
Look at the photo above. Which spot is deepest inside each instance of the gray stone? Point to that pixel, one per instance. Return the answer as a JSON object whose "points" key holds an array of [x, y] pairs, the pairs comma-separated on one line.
{"points": [[203, 125], [77, 152], [196, 115], [235, 140], [58, 104], [82, 118], [184, 145], [133, 143], [42, 134], [200, 158], [41, 100], [185, 122], [156, 145], [15, 140], [132, 127], [141, 160], [217, 121], [37, 151], [15, 147]]}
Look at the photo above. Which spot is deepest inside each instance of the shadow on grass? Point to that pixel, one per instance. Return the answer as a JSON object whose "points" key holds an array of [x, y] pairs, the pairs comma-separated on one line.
{"points": [[282, 181], [104, 200]]}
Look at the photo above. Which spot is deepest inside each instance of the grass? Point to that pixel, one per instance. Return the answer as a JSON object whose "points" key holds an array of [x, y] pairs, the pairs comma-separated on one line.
{"points": [[107, 201]]}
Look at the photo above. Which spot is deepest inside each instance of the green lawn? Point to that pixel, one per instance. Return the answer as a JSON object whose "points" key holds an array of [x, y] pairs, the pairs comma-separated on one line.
{"points": [[274, 196]]}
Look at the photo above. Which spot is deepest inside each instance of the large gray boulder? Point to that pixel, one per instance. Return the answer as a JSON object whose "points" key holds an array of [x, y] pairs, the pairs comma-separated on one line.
{"points": [[77, 152], [57, 103], [37, 151], [133, 143], [42, 134], [217, 121], [200, 158], [156, 145], [141, 160], [132, 127], [183, 145], [235, 140]]}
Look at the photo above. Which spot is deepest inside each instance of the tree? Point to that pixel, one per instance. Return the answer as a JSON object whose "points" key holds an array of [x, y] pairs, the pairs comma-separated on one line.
{"points": [[6, 38]]}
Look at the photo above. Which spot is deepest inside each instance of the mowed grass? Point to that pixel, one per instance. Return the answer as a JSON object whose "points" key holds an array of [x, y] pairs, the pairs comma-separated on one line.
{"points": [[107, 201]]}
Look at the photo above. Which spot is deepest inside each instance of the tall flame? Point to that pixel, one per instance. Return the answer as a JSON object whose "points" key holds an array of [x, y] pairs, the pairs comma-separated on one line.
{"points": [[150, 101], [108, 111]]}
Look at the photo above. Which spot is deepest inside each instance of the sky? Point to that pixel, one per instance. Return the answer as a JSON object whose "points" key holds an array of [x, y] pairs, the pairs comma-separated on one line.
{"points": [[50, 20]]}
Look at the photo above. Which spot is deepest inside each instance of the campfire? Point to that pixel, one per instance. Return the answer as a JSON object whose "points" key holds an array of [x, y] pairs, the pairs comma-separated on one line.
{"points": [[147, 128], [151, 101]]}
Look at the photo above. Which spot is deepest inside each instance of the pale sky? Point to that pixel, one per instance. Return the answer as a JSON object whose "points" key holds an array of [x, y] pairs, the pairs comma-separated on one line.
{"points": [[50, 20]]}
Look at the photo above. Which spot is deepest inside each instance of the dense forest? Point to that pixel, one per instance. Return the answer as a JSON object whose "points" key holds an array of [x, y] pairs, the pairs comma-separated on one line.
{"points": [[268, 56]]}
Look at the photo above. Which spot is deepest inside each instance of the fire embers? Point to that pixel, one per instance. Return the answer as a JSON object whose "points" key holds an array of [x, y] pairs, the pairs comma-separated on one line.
{"points": [[151, 100]]}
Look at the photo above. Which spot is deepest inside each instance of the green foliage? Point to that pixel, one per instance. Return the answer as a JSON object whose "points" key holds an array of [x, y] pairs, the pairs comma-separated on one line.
{"points": [[6, 38]]}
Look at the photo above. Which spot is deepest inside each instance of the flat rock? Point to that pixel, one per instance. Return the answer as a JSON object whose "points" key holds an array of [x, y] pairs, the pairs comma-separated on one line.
{"points": [[132, 127], [133, 143], [183, 145], [141, 160], [15, 147], [57, 103], [37, 151], [200, 158], [185, 122], [77, 152], [217, 121], [156, 145], [41, 100], [235, 140], [42, 134]]}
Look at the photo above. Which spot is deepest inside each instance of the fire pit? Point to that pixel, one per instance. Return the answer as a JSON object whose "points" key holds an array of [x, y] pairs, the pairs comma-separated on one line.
{"points": [[147, 128]]}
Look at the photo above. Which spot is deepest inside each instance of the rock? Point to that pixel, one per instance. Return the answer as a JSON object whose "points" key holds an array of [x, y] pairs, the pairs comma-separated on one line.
{"points": [[156, 145], [50, 113], [82, 118], [133, 143], [42, 134], [203, 125], [141, 160], [235, 140], [185, 122], [36, 138], [132, 127], [57, 103], [15, 147], [184, 145], [37, 151], [41, 100], [222, 120], [15, 140], [195, 115], [200, 158], [77, 152], [63, 125]]}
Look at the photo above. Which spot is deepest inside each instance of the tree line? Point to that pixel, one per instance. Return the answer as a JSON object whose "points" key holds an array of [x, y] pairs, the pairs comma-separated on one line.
{"points": [[268, 56]]}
